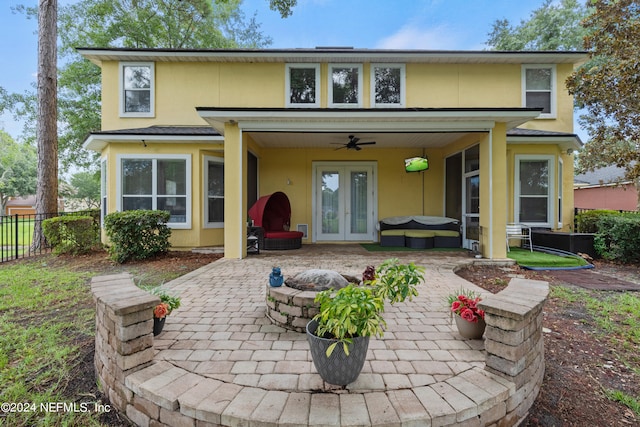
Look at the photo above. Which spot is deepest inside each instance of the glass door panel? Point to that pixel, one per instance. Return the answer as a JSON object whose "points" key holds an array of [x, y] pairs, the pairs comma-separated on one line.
{"points": [[330, 206], [358, 215], [344, 202]]}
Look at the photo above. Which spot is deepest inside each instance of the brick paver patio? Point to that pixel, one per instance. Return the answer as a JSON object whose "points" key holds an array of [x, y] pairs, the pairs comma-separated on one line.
{"points": [[220, 360]]}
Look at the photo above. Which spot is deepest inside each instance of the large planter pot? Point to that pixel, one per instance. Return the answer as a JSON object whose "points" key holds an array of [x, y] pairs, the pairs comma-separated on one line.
{"points": [[158, 324], [337, 369], [471, 330]]}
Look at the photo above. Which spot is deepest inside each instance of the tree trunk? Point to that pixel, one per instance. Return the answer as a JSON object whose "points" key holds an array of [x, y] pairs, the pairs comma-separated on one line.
{"points": [[47, 128]]}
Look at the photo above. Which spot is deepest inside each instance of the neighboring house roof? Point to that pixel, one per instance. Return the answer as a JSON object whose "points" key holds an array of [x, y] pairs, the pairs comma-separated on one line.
{"points": [[22, 201], [606, 176], [340, 54]]}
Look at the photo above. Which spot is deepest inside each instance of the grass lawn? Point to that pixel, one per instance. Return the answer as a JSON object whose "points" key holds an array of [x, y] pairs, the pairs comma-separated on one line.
{"points": [[526, 258], [45, 315]]}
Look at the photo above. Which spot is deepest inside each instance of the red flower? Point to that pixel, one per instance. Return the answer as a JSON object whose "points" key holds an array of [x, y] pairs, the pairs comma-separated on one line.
{"points": [[161, 310], [467, 308], [467, 314]]}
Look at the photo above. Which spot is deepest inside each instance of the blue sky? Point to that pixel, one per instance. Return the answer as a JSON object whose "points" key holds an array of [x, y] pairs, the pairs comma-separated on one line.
{"points": [[385, 24]]}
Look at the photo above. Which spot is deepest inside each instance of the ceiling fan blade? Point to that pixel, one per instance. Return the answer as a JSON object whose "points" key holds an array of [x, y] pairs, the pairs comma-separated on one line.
{"points": [[353, 139], [366, 143]]}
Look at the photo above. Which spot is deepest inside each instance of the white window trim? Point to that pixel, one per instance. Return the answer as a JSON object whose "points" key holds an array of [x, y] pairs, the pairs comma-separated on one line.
{"points": [[287, 86], [152, 89], [154, 182], [554, 91], [551, 197], [205, 185], [104, 175], [330, 86], [560, 203], [403, 85]]}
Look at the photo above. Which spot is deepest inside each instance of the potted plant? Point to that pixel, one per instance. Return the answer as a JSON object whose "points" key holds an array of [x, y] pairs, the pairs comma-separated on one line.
{"points": [[469, 318], [167, 304], [339, 334]]}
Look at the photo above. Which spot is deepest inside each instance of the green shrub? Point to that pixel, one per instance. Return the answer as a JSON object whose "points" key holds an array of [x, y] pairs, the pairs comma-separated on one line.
{"points": [[72, 234], [586, 222], [618, 237], [138, 234]]}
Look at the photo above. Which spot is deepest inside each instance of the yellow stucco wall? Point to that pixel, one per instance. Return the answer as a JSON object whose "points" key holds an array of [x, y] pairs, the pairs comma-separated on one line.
{"points": [[195, 236], [180, 87]]}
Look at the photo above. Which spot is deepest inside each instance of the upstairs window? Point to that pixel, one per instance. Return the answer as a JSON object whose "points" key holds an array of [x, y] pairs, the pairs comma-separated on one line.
{"points": [[539, 88], [388, 85], [345, 85], [137, 89], [302, 85]]}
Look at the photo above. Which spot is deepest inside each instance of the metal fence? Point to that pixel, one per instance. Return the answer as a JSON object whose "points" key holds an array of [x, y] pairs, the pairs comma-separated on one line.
{"points": [[16, 234]]}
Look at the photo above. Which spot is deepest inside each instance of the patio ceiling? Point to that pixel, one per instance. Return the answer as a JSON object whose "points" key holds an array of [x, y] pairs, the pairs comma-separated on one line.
{"points": [[390, 128], [336, 139]]}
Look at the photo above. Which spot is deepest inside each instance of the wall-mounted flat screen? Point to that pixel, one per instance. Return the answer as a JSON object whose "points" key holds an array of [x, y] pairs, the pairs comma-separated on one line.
{"points": [[416, 164]]}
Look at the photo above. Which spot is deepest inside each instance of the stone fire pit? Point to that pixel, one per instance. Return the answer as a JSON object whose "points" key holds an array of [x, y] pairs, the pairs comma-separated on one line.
{"points": [[292, 305]]}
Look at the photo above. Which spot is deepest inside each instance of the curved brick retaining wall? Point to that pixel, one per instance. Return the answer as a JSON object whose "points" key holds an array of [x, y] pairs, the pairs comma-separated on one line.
{"points": [[158, 393]]}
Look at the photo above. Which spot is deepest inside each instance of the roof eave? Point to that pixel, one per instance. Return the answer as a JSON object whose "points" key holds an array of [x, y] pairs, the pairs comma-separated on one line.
{"points": [[318, 120]]}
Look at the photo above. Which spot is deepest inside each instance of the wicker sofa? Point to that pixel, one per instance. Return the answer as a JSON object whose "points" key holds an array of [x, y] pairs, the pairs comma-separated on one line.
{"points": [[420, 232]]}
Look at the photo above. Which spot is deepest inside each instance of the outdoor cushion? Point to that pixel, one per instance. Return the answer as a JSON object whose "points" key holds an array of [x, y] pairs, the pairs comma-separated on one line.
{"points": [[283, 234], [420, 233], [446, 233], [392, 232]]}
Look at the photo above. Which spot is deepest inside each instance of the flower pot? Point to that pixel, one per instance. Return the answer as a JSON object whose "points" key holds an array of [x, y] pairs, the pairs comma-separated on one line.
{"points": [[338, 369], [471, 330], [158, 324]]}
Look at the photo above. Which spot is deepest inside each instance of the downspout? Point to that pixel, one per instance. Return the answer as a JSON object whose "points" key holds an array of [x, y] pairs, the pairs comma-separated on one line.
{"points": [[491, 192]]}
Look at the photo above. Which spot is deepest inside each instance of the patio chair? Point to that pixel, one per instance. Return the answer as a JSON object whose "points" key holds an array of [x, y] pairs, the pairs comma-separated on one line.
{"points": [[273, 214], [521, 232]]}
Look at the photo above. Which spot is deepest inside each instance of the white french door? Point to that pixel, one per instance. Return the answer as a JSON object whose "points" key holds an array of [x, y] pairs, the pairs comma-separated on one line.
{"points": [[344, 201]]}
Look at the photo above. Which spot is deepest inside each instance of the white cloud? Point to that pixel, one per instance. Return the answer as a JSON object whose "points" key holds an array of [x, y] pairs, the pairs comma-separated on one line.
{"points": [[412, 37]]}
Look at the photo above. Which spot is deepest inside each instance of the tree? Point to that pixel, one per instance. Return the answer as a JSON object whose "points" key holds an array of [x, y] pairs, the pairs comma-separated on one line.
{"points": [[47, 134], [83, 191], [17, 170], [553, 26], [174, 24], [607, 87]]}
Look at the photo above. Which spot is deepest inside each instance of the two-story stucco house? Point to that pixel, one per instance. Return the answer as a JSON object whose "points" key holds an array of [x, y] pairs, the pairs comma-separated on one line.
{"points": [[204, 133]]}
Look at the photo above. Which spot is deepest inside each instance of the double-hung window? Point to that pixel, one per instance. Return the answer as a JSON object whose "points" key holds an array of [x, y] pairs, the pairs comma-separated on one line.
{"points": [[160, 182], [388, 85], [539, 89], [302, 85], [137, 89], [345, 85], [535, 185], [214, 196]]}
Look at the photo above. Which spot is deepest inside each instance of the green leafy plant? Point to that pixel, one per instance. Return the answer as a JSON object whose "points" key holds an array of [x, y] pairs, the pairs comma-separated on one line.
{"points": [[72, 234], [356, 311], [138, 234], [167, 304]]}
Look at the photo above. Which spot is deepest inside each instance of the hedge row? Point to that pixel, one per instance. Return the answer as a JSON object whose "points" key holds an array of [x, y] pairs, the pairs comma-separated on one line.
{"points": [[617, 235]]}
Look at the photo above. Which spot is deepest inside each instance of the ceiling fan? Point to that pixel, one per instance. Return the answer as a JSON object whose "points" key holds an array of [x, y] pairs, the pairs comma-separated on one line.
{"points": [[353, 143]]}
